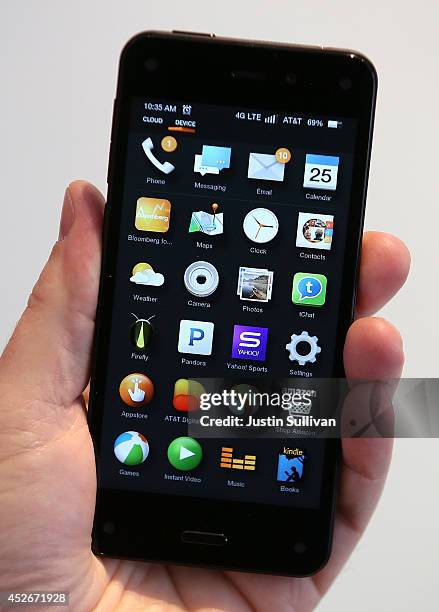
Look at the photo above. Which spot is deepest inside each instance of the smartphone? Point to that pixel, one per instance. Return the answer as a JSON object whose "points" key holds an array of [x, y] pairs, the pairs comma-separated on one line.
{"points": [[236, 193]]}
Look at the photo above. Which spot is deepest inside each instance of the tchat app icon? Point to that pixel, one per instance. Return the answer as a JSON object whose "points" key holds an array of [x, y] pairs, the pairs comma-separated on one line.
{"points": [[212, 160], [309, 289], [249, 342], [195, 337]]}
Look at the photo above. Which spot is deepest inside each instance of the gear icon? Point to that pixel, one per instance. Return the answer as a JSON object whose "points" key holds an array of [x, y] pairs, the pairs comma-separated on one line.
{"points": [[314, 348]]}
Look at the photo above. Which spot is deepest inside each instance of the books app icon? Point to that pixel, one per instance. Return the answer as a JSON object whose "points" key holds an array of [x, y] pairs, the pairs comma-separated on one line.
{"points": [[206, 223]]}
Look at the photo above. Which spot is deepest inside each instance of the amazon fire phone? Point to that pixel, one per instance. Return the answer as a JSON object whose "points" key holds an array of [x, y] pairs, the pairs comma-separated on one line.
{"points": [[236, 192]]}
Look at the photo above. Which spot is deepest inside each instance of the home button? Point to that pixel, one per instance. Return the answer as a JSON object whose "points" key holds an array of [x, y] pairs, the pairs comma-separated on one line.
{"points": [[205, 538]]}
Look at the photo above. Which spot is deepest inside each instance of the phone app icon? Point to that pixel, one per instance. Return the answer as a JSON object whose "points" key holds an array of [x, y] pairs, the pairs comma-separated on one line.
{"points": [[201, 278], [261, 225], [142, 333], [290, 465], [153, 215], [207, 223], [136, 390], [131, 448], [255, 284], [165, 167], [315, 231], [303, 348], [265, 167], [187, 394], [212, 160], [309, 289], [249, 342], [185, 454], [321, 172], [230, 462], [143, 274], [195, 337]]}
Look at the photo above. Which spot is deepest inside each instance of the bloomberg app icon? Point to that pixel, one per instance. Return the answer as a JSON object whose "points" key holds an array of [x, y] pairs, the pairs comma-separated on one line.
{"points": [[249, 342]]}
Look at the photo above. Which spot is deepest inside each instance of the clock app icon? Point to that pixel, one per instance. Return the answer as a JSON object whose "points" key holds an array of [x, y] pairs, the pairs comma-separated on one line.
{"points": [[261, 225]]}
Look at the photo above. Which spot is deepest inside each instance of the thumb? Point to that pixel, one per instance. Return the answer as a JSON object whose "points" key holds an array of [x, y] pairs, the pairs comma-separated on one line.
{"points": [[48, 355]]}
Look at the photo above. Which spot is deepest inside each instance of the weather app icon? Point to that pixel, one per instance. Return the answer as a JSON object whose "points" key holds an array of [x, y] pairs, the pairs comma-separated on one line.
{"points": [[309, 289]]}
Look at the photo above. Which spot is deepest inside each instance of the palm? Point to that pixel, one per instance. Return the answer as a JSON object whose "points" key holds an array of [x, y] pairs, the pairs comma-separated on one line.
{"points": [[48, 483]]}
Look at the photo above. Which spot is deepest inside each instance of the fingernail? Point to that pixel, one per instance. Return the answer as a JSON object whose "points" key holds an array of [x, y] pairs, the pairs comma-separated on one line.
{"points": [[67, 215]]}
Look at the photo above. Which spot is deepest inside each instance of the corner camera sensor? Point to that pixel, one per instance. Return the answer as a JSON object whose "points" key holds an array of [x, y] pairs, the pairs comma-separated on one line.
{"points": [[151, 64], [345, 83]]}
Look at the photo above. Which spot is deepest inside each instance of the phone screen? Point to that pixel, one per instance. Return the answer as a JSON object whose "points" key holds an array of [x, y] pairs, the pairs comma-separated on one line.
{"points": [[229, 264]]}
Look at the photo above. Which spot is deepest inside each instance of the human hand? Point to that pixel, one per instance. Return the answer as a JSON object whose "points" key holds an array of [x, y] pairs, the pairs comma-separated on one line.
{"points": [[47, 467]]}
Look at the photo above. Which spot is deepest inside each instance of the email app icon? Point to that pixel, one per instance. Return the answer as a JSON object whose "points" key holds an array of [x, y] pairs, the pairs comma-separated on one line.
{"points": [[264, 167]]}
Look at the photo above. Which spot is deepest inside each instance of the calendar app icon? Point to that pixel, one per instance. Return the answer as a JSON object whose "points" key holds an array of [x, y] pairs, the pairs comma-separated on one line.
{"points": [[321, 172]]}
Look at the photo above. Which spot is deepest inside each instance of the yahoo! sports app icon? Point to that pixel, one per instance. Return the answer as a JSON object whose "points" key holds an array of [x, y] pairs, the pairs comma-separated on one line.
{"points": [[249, 342]]}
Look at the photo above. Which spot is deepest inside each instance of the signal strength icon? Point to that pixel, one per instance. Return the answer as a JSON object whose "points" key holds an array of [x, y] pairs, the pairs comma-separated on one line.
{"points": [[271, 119]]}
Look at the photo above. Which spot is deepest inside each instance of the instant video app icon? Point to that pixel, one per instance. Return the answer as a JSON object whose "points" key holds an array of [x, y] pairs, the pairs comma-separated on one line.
{"points": [[249, 342], [185, 454], [153, 215], [309, 289]]}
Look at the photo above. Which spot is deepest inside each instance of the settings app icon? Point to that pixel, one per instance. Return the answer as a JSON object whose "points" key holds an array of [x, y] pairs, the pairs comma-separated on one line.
{"points": [[303, 348]]}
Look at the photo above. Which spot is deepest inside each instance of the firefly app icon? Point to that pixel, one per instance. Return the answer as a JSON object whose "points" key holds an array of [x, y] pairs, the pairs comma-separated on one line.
{"points": [[309, 289], [141, 333]]}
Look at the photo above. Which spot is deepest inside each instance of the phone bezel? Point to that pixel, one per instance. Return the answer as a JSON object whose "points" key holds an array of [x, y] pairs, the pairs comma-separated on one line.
{"points": [[191, 65]]}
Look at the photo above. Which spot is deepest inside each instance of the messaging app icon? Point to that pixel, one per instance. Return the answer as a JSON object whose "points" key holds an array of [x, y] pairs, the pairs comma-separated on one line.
{"points": [[264, 167], [309, 289], [212, 159]]}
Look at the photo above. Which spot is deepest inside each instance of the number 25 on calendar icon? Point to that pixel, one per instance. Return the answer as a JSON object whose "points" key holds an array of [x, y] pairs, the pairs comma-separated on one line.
{"points": [[321, 172]]}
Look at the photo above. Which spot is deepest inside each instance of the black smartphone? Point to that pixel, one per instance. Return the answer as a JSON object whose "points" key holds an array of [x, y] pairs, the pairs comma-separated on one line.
{"points": [[236, 194]]}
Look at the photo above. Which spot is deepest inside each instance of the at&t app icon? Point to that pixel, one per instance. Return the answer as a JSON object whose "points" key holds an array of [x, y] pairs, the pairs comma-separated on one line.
{"points": [[195, 337], [309, 289], [249, 342]]}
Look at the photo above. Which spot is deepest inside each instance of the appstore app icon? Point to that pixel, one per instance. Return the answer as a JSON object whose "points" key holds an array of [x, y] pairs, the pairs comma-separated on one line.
{"points": [[309, 289]]}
